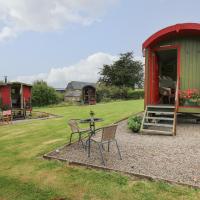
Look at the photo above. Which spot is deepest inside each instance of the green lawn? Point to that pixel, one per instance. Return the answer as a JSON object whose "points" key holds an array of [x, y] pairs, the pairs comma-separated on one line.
{"points": [[24, 175]]}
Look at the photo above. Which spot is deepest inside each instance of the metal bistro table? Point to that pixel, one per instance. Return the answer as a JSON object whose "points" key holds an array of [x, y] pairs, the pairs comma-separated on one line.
{"points": [[91, 122]]}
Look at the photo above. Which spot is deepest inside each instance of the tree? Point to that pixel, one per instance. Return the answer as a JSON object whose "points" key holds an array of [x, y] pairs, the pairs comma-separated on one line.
{"points": [[124, 72], [43, 95]]}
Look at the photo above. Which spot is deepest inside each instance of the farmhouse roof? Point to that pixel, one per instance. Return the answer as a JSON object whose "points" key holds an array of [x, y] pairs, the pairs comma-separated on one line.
{"points": [[76, 85]]}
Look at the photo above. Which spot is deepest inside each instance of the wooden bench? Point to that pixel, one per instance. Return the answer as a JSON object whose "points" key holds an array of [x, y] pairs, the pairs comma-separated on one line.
{"points": [[7, 116]]}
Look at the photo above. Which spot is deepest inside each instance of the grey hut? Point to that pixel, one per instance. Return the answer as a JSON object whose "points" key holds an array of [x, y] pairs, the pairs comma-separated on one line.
{"points": [[82, 92]]}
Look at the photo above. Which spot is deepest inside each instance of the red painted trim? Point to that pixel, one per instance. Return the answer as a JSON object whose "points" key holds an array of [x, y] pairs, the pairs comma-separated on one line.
{"points": [[185, 28], [166, 47], [150, 77], [153, 89], [156, 80], [146, 79]]}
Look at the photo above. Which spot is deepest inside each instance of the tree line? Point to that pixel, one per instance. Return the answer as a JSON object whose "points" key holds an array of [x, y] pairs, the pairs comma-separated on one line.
{"points": [[120, 80]]}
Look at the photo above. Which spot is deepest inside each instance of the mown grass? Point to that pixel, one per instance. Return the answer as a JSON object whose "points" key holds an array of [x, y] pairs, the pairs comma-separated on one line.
{"points": [[24, 175]]}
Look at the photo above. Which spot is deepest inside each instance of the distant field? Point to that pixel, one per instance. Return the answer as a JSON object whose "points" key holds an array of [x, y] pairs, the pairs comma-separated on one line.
{"points": [[24, 175]]}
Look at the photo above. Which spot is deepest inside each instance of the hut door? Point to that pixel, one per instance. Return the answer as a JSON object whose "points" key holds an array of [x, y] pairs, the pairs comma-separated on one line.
{"points": [[155, 80]]}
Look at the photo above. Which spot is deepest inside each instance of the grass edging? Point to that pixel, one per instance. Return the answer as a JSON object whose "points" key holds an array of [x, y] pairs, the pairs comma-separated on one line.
{"points": [[51, 116], [140, 176]]}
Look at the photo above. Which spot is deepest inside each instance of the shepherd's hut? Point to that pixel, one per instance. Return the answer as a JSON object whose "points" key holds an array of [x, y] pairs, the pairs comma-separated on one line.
{"points": [[172, 76]]}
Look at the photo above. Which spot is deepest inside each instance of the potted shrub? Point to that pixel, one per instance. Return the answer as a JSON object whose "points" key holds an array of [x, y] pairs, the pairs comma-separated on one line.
{"points": [[92, 113], [5, 107], [134, 123]]}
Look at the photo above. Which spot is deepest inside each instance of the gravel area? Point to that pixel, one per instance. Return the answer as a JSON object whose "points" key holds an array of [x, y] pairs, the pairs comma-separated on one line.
{"points": [[166, 157]]}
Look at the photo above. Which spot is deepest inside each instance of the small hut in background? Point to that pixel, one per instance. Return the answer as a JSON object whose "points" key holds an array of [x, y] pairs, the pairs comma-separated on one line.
{"points": [[15, 96], [82, 92]]}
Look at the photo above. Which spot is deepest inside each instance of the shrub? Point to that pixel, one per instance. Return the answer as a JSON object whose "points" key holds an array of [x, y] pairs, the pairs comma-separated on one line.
{"points": [[134, 123], [43, 95], [135, 94], [106, 100], [108, 93], [60, 96]]}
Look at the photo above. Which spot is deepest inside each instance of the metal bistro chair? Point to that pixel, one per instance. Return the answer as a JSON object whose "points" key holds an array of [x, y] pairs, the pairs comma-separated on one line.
{"points": [[108, 136], [75, 129]]}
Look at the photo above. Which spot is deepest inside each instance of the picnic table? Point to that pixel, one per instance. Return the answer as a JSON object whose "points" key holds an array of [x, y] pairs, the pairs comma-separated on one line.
{"points": [[91, 122]]}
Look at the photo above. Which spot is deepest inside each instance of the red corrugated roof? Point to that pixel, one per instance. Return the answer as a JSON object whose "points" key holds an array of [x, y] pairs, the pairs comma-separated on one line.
{"points": [[185, 28]]}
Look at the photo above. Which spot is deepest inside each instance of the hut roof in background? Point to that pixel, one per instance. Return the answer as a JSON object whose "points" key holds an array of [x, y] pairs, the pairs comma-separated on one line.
{"points": [[77, 85], [2, 83]]}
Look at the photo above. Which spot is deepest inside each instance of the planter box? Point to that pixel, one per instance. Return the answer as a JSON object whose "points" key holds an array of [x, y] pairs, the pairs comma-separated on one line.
{"points": [[190, 102]]}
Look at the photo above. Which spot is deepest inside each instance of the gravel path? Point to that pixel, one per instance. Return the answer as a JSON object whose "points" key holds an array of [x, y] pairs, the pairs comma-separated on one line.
{"points": [[166, 157]]}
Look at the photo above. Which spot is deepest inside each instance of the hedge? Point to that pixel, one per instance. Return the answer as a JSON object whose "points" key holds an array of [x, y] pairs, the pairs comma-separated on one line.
{"points": [[108, 93]]}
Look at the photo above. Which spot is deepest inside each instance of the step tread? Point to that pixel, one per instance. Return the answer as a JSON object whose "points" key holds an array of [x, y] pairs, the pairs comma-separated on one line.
{"points": [[160, 118], [157, 132], [160, 106], [160, 112], [161, 125]]}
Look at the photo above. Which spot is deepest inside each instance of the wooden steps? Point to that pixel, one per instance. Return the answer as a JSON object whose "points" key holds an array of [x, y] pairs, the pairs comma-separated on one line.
{"points": [[159, 120]]}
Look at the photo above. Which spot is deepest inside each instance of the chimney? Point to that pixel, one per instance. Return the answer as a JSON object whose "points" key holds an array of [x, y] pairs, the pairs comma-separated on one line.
{"points": [[6, 79]]}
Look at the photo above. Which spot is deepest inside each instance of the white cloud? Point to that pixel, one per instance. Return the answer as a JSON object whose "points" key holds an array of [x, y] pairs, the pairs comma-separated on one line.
{"points": [[139, 58], [7, 33], [47, 15], [85, 70]]}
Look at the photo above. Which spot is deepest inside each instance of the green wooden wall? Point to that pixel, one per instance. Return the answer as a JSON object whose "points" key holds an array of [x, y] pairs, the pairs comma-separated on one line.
{"points": [[190, 60], [190, 63]]}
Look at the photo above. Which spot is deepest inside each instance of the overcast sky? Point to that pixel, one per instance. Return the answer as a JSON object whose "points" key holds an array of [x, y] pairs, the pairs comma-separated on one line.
{"points": [[64, 40]]}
